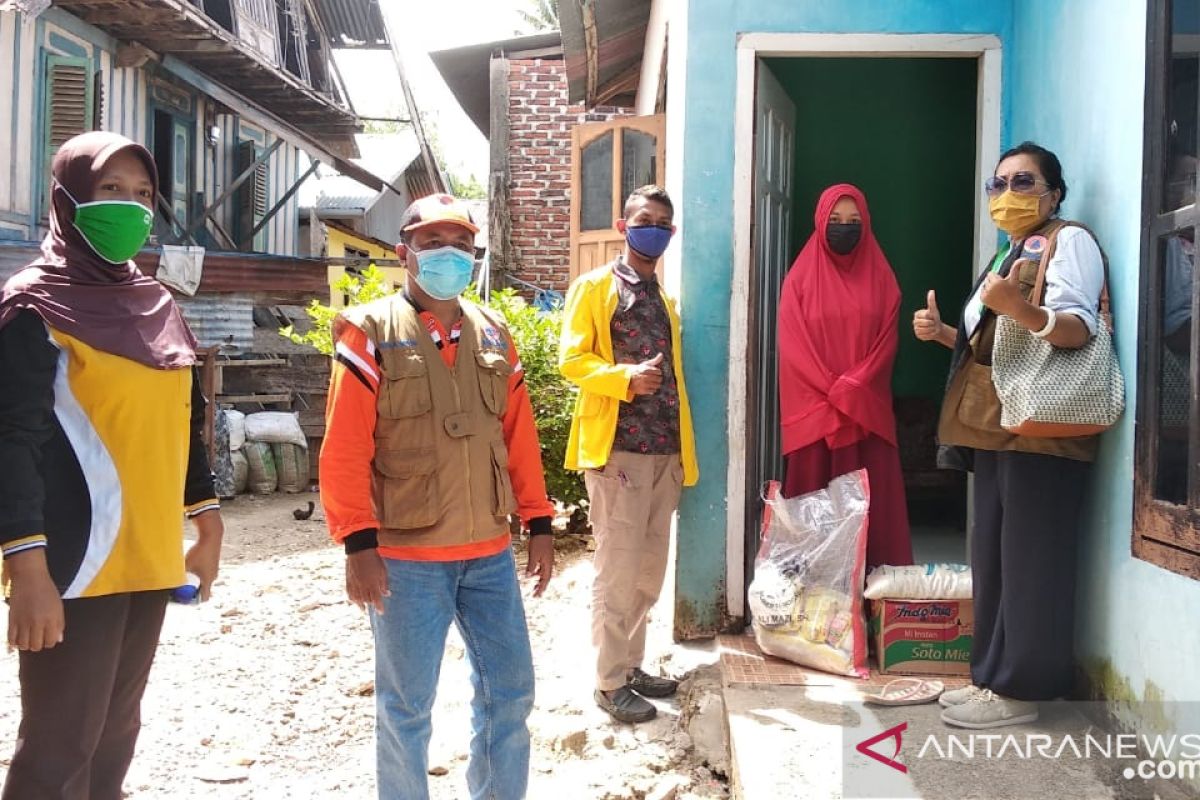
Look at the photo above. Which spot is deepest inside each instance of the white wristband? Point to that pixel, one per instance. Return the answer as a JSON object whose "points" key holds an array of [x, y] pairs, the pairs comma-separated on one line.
{"points": [[1051, 321]]}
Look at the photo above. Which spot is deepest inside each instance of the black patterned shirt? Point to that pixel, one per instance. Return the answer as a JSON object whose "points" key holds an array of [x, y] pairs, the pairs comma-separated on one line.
{"points": [[641, 329]]}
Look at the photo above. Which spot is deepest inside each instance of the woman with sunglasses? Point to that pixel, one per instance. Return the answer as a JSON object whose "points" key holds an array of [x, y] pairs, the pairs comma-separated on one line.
{"points": [[1028, 491]]}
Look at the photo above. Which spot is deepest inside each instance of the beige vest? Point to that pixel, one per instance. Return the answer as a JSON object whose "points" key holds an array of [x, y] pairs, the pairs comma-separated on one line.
{"points": [[440, 474], [970, 415]]}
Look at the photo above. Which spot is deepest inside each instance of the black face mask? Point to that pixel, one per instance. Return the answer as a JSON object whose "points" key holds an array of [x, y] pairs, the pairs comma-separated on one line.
{"points": [[843, 236]]}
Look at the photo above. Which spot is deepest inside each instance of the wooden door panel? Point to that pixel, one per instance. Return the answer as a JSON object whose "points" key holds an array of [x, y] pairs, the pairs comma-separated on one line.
{"points": [[606, 163]]}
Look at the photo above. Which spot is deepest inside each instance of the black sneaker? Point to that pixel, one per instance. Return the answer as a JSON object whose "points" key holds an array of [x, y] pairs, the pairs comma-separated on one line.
{"points": [[651, 685], [625, 706]]}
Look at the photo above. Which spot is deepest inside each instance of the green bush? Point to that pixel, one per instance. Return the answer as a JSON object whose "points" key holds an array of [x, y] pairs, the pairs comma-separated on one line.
{"points": [[536, 335]]}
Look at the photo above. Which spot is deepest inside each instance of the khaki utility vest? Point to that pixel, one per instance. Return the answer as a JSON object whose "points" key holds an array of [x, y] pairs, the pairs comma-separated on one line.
{"points": [[440, 473], [970, 415]]}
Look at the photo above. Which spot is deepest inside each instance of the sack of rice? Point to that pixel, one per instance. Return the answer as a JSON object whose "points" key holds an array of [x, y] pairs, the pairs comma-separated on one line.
{"points": [[275, 427], [236, 421], [264, 479], [920, 582], [241, 471], [291, 463]]}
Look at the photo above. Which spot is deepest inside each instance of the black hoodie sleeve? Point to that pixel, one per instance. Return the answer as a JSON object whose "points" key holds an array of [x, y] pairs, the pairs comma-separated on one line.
{"points": [[28, 362]]}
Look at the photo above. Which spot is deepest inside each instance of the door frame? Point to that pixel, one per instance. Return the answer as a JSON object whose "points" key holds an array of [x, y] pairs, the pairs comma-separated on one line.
{"points": [[751, 47]]}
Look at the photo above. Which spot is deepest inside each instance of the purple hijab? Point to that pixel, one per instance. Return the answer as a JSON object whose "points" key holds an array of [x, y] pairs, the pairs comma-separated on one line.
{"points": [[111, 307]]}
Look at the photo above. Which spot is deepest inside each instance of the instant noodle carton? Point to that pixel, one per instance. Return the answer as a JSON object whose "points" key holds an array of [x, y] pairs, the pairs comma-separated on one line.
{"points": [[923, 637]]}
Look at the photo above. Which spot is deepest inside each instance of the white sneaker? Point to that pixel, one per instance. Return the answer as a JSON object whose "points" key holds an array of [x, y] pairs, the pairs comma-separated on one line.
{"points": [[989, 710], [956, 697]]}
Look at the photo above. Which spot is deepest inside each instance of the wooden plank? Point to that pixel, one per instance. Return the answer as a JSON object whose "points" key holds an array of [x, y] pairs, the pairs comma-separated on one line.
{"points": [[250, 362], [1174, 559], [235, 399], [294, 379], [499, 213], [8, 49], [208, 387]]}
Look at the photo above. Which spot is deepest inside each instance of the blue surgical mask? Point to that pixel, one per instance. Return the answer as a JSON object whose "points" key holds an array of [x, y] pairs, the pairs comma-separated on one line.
{"points": [[649, 240], [445, 272]]}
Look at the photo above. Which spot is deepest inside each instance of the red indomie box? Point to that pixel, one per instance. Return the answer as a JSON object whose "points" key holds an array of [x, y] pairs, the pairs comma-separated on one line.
{"points": [[923, 637]]}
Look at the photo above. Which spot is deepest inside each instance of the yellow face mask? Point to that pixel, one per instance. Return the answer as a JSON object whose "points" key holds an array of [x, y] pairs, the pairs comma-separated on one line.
{"points": [[1016, 214]]}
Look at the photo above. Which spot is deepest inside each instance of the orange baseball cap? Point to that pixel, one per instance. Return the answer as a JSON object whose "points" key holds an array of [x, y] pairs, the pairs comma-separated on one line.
{"points": [[434, 209]]}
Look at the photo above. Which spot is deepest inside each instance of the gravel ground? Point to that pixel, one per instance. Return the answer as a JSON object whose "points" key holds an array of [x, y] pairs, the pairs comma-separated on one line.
{"points": [[267, 692]]}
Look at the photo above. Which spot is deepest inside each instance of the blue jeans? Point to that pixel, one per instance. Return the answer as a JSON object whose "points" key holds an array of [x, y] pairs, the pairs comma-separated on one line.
{"points": [[483, 598]]}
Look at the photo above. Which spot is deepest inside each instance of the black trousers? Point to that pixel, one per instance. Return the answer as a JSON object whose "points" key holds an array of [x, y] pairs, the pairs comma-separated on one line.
{"points": [[1023, 563], [81, 700]]}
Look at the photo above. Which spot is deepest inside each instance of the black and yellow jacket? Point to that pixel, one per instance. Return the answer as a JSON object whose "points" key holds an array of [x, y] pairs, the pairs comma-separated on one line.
{"points": [[101, 458]]}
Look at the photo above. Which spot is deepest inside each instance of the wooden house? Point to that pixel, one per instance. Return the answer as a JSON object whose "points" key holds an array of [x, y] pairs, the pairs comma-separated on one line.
{"points": [[239, 101]]}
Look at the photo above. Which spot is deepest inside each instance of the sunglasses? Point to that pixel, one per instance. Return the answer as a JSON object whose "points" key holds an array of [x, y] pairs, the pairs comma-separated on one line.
{"points": [[1020, 182]]}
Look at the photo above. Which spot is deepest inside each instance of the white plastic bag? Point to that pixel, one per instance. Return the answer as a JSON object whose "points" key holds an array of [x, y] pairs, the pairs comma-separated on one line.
{"points": [[236, 421], [275, 427], [806, 596], [920, 582]]}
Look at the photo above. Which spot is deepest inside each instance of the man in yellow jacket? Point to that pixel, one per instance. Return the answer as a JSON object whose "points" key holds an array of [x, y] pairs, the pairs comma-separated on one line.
{"points": [[632, 436]]}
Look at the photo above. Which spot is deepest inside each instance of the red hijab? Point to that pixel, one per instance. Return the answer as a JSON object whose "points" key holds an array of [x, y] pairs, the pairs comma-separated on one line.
{"points": [[837, 337], [111, 307]]}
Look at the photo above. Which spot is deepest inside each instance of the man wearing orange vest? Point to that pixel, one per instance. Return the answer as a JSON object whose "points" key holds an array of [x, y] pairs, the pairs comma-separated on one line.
{"points": [[430, 445], [632, 436]]}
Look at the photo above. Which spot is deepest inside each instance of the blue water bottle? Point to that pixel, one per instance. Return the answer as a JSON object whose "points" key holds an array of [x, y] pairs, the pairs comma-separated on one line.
{"points": [[189, 593]]}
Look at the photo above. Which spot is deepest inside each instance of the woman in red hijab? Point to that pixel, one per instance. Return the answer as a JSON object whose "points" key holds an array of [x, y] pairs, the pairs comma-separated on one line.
{"points": [[837, 344]]}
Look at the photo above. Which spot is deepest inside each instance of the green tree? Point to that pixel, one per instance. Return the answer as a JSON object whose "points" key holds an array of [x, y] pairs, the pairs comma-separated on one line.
{"points": [[468, 189], [542, 15], [536, 334]]}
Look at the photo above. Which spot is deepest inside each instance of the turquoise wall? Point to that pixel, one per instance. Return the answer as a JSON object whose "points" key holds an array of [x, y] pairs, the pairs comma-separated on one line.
{"points": [[1138, 635], [707, 258]]}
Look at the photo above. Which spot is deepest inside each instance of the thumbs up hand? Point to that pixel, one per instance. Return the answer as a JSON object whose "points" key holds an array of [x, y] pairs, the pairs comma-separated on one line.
{"points": [[927, 322], [647, 376], [1003, 295]]}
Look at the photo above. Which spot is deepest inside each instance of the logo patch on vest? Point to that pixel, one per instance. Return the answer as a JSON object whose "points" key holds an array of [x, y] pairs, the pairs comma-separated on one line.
{"points": [[1034, 247], [493, 339]]}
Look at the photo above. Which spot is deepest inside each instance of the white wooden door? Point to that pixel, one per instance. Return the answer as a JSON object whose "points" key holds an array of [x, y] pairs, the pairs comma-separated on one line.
{"points": [[774, 159]]}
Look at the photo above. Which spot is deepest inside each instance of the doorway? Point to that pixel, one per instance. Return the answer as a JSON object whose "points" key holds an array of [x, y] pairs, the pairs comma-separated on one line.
{"points": [[172, 137], [915, 134]]}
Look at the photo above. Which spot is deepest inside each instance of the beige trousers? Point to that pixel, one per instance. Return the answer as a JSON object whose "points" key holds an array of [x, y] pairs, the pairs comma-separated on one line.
{"points": [[632, 500]]}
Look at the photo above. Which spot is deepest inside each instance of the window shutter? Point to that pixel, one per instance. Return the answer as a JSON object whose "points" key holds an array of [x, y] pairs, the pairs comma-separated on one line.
{"points": [[67, 109], [260, 192], [68, 98], [97, 102], [251, 197]]}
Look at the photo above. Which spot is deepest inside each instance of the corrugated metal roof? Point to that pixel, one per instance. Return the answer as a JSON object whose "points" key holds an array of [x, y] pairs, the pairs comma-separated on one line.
{"points": [[354, 24], [388, 155], [224, 320], [467, 70], [620, 40]]}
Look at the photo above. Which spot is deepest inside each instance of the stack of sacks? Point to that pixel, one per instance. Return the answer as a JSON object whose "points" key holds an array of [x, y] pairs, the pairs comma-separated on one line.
{"points": [[277, 452]]}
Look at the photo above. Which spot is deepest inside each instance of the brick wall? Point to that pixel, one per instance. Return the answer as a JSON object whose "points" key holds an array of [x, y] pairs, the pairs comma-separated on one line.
{"points": [[540, 124]]}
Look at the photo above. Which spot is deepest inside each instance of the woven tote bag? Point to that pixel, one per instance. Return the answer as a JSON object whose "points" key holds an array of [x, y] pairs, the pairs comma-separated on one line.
{"points": [[1055, 392]]}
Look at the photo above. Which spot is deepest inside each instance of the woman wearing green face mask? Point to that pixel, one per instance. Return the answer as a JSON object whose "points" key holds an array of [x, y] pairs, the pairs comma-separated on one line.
{"points": [[1028, 489], [100, 460]]}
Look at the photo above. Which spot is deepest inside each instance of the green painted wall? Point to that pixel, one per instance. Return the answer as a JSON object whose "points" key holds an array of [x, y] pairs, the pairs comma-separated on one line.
{"points": [[854, 124]]}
